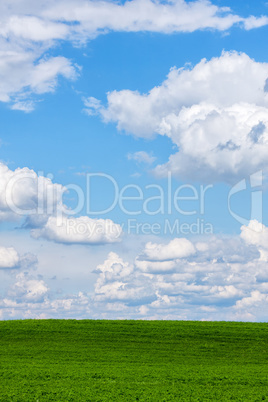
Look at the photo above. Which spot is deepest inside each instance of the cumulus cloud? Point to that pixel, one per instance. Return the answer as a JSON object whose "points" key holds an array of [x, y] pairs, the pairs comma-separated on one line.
{"points": [[215, 114], [117, 282], [176, 248], [29, 29], [82, 230], [26, 69], [9, 257], [224, 278], [256, 234], [227, 147], [218, 276], [255, 298], [219, 81], [25, 194], [29, 296], [43, 306], [26, 288]]}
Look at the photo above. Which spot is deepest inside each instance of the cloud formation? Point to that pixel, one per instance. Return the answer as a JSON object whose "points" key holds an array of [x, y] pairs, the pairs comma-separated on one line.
{"points": [[93, 18], [82, 230], [203, 279], [9, 258], [215, 113], [176, 248], [212, 278], [29, 29], [26, 72], [28, 289], [24, 194]]}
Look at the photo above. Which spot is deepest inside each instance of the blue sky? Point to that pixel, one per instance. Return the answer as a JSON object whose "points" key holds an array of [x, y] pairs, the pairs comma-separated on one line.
{"points": [[156, 99]]}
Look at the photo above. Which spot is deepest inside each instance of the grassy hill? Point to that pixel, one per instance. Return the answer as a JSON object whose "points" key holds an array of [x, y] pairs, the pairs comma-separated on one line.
{"points": [[68, 360]]}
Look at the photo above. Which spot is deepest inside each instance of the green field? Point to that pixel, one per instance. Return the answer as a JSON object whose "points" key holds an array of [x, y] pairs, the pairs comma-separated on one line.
{"points": [[68, 360]]}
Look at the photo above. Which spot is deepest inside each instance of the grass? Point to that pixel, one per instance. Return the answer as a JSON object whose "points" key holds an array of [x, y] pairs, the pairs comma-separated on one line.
{"points": [[68, 360]]}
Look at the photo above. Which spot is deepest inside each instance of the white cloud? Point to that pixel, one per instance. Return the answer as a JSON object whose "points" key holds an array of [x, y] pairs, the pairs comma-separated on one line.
{"points": [[71, 303], [211, 284], [142, 157], [95, 17], [219, 82], [32, 28], [28, 289], [22, 75], [44, 76], [92, 105], [253, 22], [40, 306], [256, 234], [25, 68], [225, 280], [23, 192], [176, 248], [29, 29], [29, 296], [25, 106], [155, 266], [216, 144], [228, 291], [117, 282], [215, 113], [82, 230], [255, 298], [111, 283], [114, 266], [9, 257]]}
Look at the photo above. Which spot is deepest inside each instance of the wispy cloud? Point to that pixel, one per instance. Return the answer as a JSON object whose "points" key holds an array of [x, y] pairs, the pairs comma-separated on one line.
{"points": [[142, 157]]}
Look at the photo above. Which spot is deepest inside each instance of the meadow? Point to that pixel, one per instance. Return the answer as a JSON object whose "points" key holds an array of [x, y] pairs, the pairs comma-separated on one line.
{"points": [[87, 360]]}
